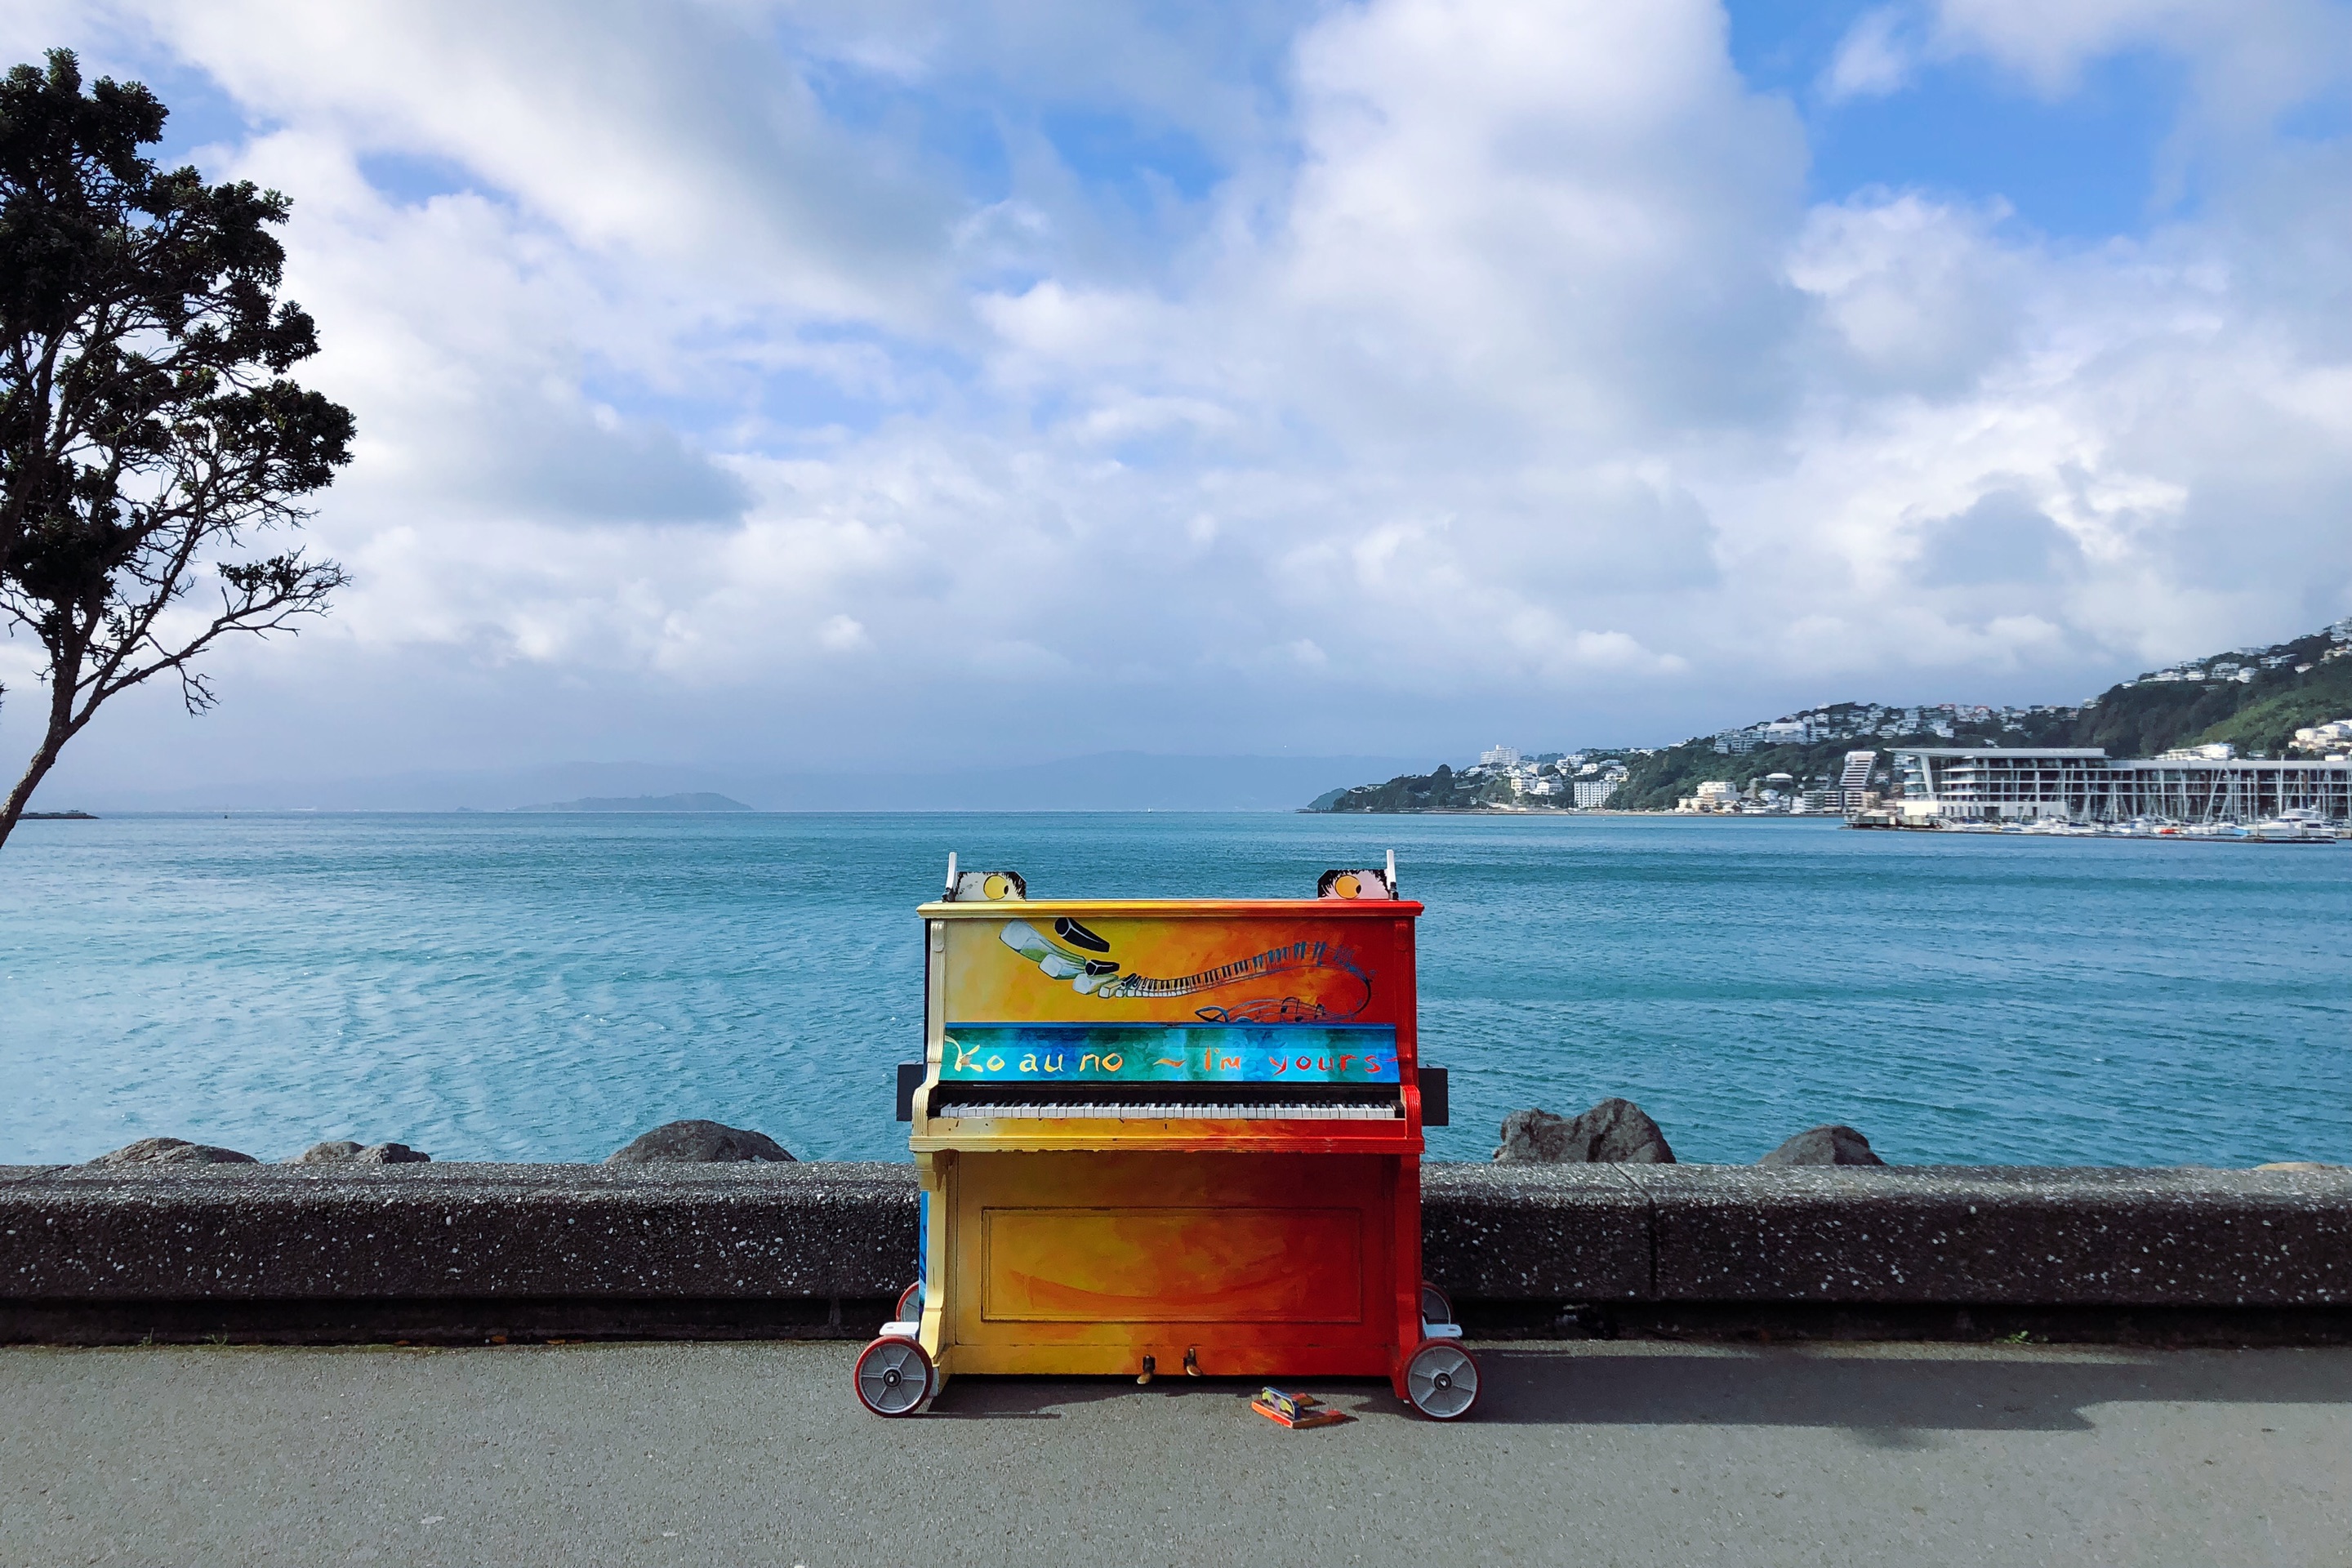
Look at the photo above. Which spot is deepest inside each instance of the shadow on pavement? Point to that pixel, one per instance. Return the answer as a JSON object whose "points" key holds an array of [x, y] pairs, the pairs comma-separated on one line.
{"points": [[1889, 1395], [1881, 1399]]}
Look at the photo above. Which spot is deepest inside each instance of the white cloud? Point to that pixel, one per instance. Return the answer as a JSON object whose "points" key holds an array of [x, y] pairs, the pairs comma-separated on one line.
{"points": [[840, 634], [1502, 373], [2251, 56], [1873, 59]]}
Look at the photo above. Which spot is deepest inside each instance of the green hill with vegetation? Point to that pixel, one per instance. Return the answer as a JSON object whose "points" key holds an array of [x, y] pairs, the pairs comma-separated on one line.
{"points": [[1443, 790], [2254, 699]]}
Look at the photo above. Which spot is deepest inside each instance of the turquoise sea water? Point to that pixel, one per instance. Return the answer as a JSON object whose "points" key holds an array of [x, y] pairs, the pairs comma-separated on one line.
{"points": [[547, 988]]}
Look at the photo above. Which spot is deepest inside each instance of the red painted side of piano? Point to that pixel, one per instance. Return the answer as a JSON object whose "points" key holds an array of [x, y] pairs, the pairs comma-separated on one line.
{"points": [[1169, 1138]]}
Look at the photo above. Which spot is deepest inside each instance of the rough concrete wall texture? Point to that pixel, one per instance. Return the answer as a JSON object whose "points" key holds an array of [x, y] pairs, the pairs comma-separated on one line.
{"points": [[1999, 1234], [1528, 1232], [454, 1230], [1599, 1232]]}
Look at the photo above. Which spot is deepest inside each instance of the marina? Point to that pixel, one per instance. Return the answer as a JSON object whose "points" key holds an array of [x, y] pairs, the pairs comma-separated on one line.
{"points": [[2289, 828], [2081, 791]]}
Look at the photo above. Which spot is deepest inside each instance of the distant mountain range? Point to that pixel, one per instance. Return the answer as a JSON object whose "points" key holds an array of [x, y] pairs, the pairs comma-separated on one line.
{"points": [[698, 801], [2253, 698], [1108, 781]]}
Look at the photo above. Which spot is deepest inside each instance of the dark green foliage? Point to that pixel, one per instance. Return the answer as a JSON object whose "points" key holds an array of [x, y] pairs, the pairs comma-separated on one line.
{"points": [[1443, 790], [146, 420], [2272, 710]]}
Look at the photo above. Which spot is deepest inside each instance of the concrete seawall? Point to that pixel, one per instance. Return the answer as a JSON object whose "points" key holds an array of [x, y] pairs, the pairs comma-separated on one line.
{"points": [[458, 1252]]}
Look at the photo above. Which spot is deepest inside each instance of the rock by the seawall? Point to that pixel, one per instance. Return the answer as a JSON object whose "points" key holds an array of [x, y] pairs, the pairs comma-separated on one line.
{"points": [[391, 1154], [348, 1152], [696, 1142], [1613, 1132], [173, 1152], [1835, 1144]]}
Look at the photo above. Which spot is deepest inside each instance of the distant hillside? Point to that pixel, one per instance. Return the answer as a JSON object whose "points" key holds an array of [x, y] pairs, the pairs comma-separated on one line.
{"points": [[1443, 790], [695, 802], [1108, 781], [2253, 697]]}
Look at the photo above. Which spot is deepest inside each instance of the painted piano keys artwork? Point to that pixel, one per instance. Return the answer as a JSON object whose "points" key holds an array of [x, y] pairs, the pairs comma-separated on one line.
{"points": [[1177, 1138]]}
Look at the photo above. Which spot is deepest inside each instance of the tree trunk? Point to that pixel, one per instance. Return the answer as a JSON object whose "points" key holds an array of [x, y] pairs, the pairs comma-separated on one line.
{"points": [[53, 741]]}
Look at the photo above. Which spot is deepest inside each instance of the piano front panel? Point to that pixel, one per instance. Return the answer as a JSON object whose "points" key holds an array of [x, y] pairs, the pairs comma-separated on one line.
{"points": [[1233, 1265], [1134, 1253]]}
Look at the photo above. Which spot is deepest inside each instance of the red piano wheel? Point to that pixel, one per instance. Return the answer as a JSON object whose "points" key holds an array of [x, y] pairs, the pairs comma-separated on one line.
{"points": [[894, 1376], [1441, 1380], [910, 1302]]}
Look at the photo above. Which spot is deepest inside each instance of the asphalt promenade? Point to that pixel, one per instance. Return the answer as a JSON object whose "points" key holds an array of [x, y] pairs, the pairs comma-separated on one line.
{"points": [[1590, 1453]]}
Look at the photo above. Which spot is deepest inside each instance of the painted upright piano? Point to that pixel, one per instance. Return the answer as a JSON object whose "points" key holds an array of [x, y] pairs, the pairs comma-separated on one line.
{"points": [[1169, 1138]]}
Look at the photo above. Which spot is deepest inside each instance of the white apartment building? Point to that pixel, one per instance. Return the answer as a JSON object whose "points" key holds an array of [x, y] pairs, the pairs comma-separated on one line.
{"points": [[2332, 737], [1590, 792], [2082, 783]]}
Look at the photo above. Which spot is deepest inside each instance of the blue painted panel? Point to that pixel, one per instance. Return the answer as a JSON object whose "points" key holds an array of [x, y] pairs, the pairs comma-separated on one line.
{"points": [[1169, 1053]]}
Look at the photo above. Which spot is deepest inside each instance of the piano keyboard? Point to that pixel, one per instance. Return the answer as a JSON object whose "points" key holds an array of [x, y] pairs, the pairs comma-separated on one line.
{"points": [[1271, 1110]]}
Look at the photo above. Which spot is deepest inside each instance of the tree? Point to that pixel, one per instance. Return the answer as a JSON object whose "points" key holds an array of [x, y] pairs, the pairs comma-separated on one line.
{"points": [[149, 436]]}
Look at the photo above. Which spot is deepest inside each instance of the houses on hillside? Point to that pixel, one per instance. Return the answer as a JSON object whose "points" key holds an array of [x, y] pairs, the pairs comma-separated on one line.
{"points": [[1553, 779], [1872, 720]]}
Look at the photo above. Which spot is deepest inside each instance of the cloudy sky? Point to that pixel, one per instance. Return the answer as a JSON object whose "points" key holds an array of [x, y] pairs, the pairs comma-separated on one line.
{"points": [[835, 383]]}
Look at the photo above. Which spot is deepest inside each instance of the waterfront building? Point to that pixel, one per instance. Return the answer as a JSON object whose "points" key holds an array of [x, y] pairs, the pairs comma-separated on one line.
{"points": [[1854, 781], [2332, 736], [1594, 792], [1715, 794], [2083, 783]]}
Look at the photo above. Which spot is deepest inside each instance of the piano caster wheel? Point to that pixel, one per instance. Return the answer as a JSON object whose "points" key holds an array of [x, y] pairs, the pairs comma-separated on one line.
{"points": [[1151, 1370], [910, 1303], [1434, 1306], [1191, 1361], [894, 1378], [1441, 1380]]}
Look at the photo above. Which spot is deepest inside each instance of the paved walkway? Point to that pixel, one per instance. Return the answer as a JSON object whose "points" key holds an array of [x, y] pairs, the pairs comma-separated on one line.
{"points": [[1585, 1455]]}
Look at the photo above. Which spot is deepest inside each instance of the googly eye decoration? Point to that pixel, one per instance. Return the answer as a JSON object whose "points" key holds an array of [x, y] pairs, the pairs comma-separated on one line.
{"points": [[1364, 884]]}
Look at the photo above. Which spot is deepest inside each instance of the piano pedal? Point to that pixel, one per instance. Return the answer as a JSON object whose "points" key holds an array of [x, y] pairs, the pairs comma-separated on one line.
{"points": [[1150, 1366], [1191, 1361]]}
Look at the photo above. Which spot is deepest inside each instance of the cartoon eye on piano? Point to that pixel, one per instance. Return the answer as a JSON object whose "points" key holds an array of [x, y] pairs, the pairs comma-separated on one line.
{"points": [[1169, 1138]]}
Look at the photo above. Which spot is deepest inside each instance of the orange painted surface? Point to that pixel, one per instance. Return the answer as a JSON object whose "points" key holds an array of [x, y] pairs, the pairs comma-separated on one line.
{"points": [[1267, 1247], [1016, 966], [1194, 1134], [1136, 1248], [1163, 1265]]}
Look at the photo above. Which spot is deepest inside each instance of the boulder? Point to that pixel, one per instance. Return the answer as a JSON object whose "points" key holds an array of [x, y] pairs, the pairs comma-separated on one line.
{"points": [[694, 1143], [391, 1154], [345, 1152], [1831, 1145], [1613, 1132], [173, 1152]]}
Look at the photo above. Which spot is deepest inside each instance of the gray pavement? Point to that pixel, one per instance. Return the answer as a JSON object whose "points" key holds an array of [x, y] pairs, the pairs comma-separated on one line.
{"points": [[1583, 1454]]}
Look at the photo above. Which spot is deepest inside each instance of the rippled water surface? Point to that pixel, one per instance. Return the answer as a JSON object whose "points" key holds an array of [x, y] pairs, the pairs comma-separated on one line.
{"points": [[546, 988]]}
